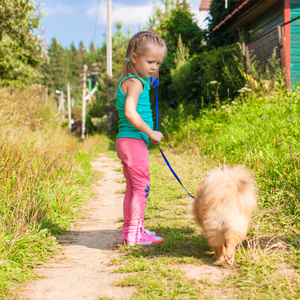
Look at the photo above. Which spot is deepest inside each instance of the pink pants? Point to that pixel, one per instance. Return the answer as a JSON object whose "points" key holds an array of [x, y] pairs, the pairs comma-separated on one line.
{"points": [[134, 156]]}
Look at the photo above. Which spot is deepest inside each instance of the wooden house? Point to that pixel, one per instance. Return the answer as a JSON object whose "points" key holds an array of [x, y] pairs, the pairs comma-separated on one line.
{"points": [[267, 25]]}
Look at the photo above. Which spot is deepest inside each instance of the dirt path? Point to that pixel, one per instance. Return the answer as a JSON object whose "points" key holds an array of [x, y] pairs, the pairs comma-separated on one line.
{"points": [[82, 270]]}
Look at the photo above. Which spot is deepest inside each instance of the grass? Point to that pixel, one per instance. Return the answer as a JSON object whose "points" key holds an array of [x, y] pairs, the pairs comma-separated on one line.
{"points": [[154, 270], [268, 263], [45, 176]]}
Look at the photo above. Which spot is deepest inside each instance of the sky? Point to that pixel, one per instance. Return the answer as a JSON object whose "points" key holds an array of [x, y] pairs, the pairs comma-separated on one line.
{"points": [[73, 21]]}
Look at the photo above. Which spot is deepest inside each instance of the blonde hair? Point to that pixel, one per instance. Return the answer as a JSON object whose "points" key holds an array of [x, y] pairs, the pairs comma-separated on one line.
{"points": [[138, 45]]}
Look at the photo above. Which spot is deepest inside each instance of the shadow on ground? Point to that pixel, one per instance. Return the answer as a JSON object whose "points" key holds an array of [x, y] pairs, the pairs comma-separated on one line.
{"points": [[96, 239]]}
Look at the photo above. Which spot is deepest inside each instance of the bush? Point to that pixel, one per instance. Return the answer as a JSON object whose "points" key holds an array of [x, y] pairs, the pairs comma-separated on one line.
{"points": [[260, 131], [211, 78]]}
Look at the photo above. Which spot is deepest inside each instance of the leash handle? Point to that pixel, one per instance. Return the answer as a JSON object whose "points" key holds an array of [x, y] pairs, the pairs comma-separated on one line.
{"points": [[156, 84]]}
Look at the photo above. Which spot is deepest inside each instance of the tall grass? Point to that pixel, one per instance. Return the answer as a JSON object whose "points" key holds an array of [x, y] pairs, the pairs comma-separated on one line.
{"points": [[261, 131], [43, 177]]}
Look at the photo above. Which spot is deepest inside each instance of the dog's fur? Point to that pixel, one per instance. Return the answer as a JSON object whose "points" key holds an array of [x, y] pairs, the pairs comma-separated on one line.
{"points": [[223, 207]]}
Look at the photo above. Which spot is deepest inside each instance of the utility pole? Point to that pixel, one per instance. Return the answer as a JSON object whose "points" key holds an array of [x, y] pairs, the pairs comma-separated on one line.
{"points": [[62, 107], [109, 66], [85, 97], [109, 46], [85, 68], [69, 107], [60, 103]]}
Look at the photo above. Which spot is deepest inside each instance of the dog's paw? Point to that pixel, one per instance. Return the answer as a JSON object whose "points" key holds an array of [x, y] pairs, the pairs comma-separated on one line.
{"points": [[229, 260], [219, 260]]}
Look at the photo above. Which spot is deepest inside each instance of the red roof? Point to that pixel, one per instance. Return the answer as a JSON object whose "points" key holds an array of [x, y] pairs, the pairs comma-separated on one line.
{"points": [[205, 5]]}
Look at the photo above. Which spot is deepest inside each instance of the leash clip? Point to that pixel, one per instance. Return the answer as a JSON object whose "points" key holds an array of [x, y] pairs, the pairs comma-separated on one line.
{"points": [[154, 81]]}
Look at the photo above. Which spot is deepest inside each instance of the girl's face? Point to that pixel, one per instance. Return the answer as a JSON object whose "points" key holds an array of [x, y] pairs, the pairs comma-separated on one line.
{"points": [[148, 63]]}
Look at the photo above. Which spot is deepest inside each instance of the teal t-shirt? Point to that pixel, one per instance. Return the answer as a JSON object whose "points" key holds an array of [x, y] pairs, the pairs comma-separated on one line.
{"points": [[143, 108]]}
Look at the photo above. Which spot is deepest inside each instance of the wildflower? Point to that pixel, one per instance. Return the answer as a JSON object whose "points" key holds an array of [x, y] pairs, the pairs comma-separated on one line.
{"points": [[233, 102], [213, 82], [244, 90], [289, 120], [264, 117], [223, 106]]}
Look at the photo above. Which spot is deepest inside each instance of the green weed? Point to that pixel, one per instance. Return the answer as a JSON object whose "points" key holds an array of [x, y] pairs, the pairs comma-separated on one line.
{"points": [[45, 175], [259, 131]]}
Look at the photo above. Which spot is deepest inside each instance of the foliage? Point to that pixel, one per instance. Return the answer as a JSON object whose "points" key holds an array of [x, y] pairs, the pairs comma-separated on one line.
{"points": [[260, 131], [66, 65], [263, 79], [75, 67], [218, 13], [158, 15], [45, 175], [185, 77], [180, 23], [209, 78], [21, 52], [181, 72], [55, 71], [103, 107]]}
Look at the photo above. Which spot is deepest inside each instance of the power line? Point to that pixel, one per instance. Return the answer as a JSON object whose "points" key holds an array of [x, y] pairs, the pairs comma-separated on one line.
{"points": [[97, 20], [109, 40]]}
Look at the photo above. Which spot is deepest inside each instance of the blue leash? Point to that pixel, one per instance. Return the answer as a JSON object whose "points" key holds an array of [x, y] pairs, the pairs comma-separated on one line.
{"points": [[156, 84]]}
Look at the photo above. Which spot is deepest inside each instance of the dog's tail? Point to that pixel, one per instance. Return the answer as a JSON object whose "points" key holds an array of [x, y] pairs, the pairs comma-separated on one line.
{"points": [[233, 186]]}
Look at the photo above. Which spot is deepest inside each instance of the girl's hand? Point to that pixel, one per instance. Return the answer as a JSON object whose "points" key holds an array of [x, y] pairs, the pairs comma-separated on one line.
{"points": [[156, 137]]}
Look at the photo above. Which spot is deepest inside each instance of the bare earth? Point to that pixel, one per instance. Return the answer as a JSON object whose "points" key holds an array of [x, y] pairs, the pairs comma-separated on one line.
{"points": [[82, 270]]}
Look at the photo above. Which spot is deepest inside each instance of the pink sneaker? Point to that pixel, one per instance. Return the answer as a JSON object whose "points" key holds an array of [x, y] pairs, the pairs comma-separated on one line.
{"points": [[125, 233], [138, 236]]}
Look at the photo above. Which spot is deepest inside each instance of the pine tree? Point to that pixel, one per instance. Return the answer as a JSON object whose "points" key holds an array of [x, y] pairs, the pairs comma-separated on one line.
{"points": [[55, 71], [75, 67], [119, 45]]}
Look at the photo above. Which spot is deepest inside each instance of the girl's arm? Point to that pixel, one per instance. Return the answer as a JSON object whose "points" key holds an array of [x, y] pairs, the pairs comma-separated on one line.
{"points": [[133, 88]]}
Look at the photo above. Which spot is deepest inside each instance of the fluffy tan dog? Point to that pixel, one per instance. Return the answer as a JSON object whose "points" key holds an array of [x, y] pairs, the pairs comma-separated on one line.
{"points": [[223, 206]]}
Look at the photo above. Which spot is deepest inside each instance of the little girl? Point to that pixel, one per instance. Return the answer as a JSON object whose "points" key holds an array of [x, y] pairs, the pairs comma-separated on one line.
{"points": [[145, 53]]}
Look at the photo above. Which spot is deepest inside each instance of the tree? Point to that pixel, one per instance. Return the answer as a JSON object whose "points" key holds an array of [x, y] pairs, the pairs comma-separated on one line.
{"points": [[55, 71], [82, 50], [74, 66], [119, 46], [105, 99], [180, 23], [158, 16], [217, 14], [21, 52]]}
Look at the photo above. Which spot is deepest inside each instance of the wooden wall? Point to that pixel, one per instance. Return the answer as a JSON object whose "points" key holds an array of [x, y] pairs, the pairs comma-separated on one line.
{"points": [[266, 21], [262, 42]]}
